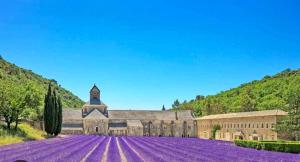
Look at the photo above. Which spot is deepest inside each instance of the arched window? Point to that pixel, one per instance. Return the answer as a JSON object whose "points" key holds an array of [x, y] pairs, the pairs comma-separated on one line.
{"points": [[97, 129]]}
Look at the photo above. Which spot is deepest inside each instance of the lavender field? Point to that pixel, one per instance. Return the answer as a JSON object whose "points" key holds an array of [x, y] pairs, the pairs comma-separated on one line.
{"points": [[151, 149]]}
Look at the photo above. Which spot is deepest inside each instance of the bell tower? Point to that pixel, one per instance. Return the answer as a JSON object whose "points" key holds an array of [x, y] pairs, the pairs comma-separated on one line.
{"points": [[95, 96]]}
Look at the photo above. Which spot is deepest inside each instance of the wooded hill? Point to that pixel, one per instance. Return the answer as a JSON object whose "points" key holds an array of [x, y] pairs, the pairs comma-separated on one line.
{"points": [[271, 92], [11, 73]]}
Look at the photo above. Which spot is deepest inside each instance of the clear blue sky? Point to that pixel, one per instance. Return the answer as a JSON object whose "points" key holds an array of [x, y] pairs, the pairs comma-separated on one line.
{"points": [[146, 54]]}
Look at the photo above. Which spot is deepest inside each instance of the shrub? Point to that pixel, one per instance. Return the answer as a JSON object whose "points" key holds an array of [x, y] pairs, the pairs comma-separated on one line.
{"points": [[214, 130], [280, 146], [249, 144]]}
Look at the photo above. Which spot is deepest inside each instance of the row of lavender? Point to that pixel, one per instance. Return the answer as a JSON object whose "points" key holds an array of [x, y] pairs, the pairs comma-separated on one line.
{"points": [[101, 148], [189, 149]]}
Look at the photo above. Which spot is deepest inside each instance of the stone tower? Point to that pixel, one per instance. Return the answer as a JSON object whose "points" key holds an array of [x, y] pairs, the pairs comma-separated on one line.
{"points": [[95, 96], [94, 103]]}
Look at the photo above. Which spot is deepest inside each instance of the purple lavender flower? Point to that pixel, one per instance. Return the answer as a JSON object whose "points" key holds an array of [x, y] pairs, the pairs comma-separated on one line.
{"points": [[92, 148]]}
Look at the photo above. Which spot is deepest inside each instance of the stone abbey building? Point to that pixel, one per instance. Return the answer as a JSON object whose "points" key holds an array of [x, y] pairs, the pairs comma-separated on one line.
{"points": [[255, 125], [95, 118]]}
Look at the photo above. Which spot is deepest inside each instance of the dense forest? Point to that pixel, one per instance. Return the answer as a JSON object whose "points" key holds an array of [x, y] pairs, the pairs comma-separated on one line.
{"points": [[271, 92], [14, 75]]}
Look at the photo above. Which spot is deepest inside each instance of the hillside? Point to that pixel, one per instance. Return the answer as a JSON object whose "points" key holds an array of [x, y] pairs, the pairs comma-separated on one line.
{"points": [[13, 73], [271, 92]]}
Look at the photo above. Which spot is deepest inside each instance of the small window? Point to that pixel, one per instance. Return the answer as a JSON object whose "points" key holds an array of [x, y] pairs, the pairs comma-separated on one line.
{"points": [[249, 125], [267, 125], [262, 125]]}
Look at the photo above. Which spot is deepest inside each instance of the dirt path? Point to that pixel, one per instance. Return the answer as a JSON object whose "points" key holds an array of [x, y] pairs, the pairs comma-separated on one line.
{"points": [[104, 158], [123, 158], [134, 150]]}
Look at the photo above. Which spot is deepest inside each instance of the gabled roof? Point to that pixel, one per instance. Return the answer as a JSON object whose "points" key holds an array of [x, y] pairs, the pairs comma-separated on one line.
{"points": [[94, 87], [95, 114], [141, 114], [245, 114]]}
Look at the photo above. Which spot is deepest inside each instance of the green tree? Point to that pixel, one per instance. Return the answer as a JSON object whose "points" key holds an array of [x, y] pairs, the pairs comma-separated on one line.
{"points": [[28, 97], [59, 117], [290, 125], [248, 102], [52, 112], [15, 99], [214, 131], [163, 108], [5, 106], [200, 97], [176, 104], [48, 111], [207, 109]]}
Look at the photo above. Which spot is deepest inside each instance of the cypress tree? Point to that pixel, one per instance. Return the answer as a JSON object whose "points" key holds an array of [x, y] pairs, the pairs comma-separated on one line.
{"points": [[54, 113], [59, 117], [48, 110]]}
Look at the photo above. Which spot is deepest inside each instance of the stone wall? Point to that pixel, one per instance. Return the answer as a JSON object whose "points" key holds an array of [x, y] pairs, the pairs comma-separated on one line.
{"points": [[248, 128], [170, 128], [95, 126]]}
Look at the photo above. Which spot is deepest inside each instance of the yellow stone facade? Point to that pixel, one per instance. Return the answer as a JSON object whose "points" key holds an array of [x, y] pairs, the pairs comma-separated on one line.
{"points": [[256, 125]]}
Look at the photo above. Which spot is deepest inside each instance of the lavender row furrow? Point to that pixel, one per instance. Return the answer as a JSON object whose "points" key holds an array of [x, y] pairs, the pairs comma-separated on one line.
{"points": [[97, 154], [94, 148], [129, 153], [29, 149], [147, 154], [23, 146], [49, 151], [62, 152], [80, 152], [229, 151], [173, 152], [113, 151], [189, 153], [156, 151]]}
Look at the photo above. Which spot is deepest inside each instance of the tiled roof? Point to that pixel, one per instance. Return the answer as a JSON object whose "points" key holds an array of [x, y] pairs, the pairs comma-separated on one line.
{"points": [[141, 114], [245, 114], [149, 115]]}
